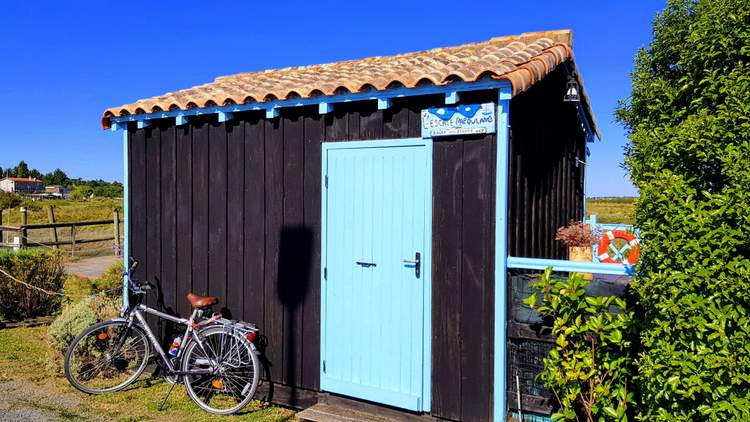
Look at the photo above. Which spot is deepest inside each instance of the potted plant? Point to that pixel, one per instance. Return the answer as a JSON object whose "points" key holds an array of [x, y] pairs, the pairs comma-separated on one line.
{"points": [[579, 238]]}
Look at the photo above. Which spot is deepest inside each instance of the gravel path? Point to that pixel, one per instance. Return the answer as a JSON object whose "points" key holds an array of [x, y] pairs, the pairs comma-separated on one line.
{"points": [[27, 401], [91, 267]]}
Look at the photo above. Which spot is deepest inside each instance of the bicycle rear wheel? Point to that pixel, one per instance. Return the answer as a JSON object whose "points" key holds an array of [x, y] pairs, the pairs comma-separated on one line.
{"points": [[236, 371], [106, 357]]}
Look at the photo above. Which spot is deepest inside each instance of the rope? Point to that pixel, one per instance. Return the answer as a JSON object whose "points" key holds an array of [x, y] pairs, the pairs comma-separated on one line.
{"points": [[51, 293]]}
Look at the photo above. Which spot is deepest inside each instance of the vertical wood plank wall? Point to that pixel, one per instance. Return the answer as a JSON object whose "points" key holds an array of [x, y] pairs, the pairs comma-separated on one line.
{"points": [[545, 176], [233, 209]]}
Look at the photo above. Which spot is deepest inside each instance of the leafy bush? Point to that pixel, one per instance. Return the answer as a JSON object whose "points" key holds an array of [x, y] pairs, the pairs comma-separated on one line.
{"points": [[689, 127], [10, 200], [43, 269], [77, 316], [589, 367]]}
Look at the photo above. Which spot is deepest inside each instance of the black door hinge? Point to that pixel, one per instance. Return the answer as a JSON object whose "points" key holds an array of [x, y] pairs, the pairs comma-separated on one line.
{"points": [[324, 367], [326, 181], [325, 273]]}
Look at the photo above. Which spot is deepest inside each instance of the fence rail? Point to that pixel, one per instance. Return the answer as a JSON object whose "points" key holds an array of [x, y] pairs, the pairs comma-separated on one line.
{"points": [[22, 239]]}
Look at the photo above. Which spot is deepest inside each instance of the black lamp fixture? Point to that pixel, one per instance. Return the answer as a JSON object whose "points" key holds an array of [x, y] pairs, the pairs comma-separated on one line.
{"points": [[572, 91]]}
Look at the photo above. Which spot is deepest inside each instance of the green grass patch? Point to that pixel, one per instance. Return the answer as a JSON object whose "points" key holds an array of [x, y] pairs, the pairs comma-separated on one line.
{"points": [[23, 354], [612, 210]]}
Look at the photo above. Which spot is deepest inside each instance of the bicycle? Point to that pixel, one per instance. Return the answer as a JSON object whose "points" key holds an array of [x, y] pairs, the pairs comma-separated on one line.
{"points": [[216, 357]]}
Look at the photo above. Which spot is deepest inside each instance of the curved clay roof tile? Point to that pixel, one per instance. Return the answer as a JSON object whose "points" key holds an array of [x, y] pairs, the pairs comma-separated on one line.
{"points": [[522, 60]]}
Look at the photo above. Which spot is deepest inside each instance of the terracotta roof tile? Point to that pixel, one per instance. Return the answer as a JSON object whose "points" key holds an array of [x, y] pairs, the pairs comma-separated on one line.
{"points": [[522, 60]]}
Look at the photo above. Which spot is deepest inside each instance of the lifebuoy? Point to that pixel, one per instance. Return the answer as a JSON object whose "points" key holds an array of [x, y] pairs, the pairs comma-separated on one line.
{"points": [[606, 245]]}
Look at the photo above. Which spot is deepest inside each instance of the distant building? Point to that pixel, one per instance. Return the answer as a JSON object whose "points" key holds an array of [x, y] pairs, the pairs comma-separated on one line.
{"points": [[57, 191], [21, 185]]}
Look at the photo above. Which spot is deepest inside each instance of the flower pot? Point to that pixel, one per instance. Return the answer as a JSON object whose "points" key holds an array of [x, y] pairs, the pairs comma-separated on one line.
{"points": [[581, 254]]}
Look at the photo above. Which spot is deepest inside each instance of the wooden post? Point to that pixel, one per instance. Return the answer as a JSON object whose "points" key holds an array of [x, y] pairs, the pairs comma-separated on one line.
{"points": [[72, 239], [118, 246], [51, 218], [24, 221]]}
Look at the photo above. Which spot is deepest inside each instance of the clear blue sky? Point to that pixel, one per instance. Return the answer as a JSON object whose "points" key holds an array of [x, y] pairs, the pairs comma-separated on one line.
{"points": [[63, 63]]}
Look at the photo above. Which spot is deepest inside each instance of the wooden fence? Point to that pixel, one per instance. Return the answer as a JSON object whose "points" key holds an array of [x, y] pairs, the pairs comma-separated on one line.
{"points": [[21, 239]]}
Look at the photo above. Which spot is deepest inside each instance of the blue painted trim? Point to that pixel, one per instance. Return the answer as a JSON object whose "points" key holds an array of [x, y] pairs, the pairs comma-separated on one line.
{"points": [[125, 215], [384, 103], [180, 120], [501, 252], [225, 116], [590, 134], [530, 417], [570, 266], [119, 126], [427, 353], [325, 108], [332, 99], [452, 97], [426, 401], [272, 113], [143, 124]]}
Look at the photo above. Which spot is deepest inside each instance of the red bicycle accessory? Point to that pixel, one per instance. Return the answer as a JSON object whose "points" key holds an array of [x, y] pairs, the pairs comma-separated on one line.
{"points": [[632, 245]]}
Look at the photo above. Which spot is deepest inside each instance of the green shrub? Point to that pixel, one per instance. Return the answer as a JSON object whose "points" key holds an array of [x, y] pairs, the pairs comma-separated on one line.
{"points": [[689, 154], [109, 279], [43, 269], [590, 365], [10, 200], [75, 317]]}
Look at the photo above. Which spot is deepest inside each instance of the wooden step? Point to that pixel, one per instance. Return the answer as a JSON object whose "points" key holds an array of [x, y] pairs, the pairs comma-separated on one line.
{"points": [[323, 412]]}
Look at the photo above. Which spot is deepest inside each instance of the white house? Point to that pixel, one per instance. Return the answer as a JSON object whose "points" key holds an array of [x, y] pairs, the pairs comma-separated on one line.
{"points": [[21, 185]]}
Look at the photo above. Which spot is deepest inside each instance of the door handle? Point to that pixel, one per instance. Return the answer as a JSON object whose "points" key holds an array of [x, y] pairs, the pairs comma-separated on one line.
{"points": [[417, 262], [366, 264]]}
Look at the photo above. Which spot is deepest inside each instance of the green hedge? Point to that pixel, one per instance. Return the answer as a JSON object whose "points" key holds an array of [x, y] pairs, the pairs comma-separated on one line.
{"points": [[689, 155], [39, 268]]}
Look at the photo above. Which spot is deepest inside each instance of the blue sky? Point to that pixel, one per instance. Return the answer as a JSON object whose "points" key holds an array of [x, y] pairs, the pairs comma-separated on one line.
{"points": [[63, 63]]}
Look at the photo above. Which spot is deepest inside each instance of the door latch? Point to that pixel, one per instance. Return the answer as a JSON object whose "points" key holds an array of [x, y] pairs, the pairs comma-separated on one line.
{"points": [[417, 262], [366, 264]]}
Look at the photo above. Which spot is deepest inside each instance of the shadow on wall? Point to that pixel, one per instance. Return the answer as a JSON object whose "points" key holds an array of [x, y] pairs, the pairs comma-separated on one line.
{"points": [[292, 287]]}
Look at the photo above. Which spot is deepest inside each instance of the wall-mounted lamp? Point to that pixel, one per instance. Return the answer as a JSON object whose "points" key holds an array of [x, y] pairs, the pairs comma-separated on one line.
{"points": [[571, 91]]}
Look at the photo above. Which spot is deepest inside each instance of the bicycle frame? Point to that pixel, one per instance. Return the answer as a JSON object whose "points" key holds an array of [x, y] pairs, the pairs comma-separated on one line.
{"points": [[136, 316]]}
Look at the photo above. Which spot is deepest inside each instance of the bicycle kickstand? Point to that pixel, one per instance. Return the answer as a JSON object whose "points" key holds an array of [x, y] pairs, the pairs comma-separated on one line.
{"points": [[166, 396]]}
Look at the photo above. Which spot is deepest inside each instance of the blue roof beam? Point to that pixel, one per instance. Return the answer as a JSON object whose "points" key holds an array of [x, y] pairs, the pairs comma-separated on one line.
{"points": [[225, 116], [384, 103], [272, 107], [325, 108]]}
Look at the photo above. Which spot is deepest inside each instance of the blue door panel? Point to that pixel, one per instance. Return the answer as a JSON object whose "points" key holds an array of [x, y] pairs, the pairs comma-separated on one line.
{"points": [[376, 215]]}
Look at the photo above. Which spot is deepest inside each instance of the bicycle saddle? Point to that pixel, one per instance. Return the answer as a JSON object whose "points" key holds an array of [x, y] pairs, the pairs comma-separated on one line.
{"points": [[201, 301]]}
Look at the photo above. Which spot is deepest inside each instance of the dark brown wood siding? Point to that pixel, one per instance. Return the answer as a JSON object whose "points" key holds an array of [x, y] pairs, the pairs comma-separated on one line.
{"points": [[233, 209], [547, 151]]}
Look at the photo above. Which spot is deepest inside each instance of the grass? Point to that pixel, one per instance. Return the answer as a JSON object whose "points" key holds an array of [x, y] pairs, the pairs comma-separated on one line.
{"points": [[612, 210], [25, 365], [23, 353]]}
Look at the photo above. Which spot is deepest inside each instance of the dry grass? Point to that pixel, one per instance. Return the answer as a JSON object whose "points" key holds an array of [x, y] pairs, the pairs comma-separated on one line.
{"points": [[22, 367], [69, 211], [612, 210]]}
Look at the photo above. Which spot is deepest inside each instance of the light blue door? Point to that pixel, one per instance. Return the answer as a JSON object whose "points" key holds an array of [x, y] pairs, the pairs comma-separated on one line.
{"points": [[376, 271]]}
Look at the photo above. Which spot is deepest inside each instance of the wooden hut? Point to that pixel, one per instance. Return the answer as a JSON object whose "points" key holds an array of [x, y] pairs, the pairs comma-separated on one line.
{"points": [[362, 212]]}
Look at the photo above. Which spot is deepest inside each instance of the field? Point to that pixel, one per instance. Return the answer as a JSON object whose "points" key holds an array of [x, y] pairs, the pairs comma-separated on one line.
{"points": [[612, 210], [68, 211]]}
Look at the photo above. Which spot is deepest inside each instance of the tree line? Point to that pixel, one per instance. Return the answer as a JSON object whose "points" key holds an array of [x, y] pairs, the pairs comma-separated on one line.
{"points": [[79, 187]]}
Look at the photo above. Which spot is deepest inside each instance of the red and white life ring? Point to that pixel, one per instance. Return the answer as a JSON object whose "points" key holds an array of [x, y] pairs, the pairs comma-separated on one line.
{"points": [[632, 245]]}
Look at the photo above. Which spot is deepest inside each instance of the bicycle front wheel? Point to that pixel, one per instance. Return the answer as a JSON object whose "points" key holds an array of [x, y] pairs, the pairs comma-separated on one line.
{"points": [[106, 357], [235, 371]]}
